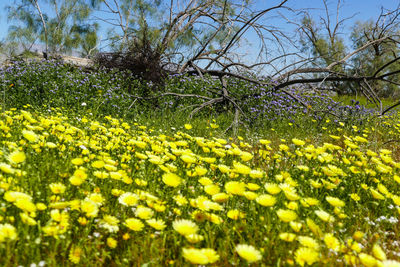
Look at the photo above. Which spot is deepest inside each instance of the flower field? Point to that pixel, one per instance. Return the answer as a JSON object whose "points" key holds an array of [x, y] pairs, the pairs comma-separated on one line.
{"points": [[85, 191]]}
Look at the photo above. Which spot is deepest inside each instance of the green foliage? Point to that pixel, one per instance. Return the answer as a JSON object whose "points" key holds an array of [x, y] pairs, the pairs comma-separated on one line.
{"points": [[377, 55], [326, 47], [61, 30]]}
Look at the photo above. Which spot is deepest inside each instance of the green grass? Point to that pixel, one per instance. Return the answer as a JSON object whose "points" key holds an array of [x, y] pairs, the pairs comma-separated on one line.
{"points": [[347, 100]]}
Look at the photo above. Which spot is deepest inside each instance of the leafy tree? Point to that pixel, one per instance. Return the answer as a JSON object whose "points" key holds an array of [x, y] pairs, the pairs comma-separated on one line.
{"points": [[61, 31], [378, 54], [325, 46]]}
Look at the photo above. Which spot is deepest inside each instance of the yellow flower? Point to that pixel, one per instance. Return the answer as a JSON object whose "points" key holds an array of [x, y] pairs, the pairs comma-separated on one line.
{"points": [[77, 161], [116, 175], [314, 227], [27, 220], [111, 242], [215, 219], [180, 200], [360, 139], [383, 190], [211, 189], [57, 188], [303, 168], [195, 256], [134, 224], [205, 181], [200, 170], [246, 156], [188, 126], [185, 227], [376, 194], [367, 260], [128, 199], [256, 174], [305, 255], [331, 242], [41, 206], [194, 238], [199, 216], [75, 254], [266, 200], [100, 174], [286, 215], [358, 235], [241, 168], [25, 205], [220, 197], [288, 237], [211, 255], [51, 145], [334, 201], [272, 188], [323, 215], [378, 252], [264, 142], [98, 164], [248, 252], [7, 231], [17, 157], [250, 195], [235, 188], [188, 159], [78, 178], [6, 168], [298, 142], [396, 200], [156, 224], [291, 195], [296, 226], [110, 223], [82, 221], [59, 205], [30, 136], [144, 212], [213, 125], [283, 147], [96, 198], [171, 179], [235, 214], [292, 205], [12, 196], [89, 207], [355, 197], [252, 186]]}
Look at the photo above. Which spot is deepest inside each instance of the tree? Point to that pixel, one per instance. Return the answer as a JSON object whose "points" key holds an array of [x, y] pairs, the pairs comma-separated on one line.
{"points": [[324, 43], [60, 33], [90, 39], [381, 52]]}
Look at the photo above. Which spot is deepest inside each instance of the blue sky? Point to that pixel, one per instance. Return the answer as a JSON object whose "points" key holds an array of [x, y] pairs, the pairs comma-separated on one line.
{"points": [[364, 9]]}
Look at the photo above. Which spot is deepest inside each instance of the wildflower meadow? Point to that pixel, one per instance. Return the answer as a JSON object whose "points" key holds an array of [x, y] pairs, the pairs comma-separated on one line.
{"points": [[88, 178]]}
